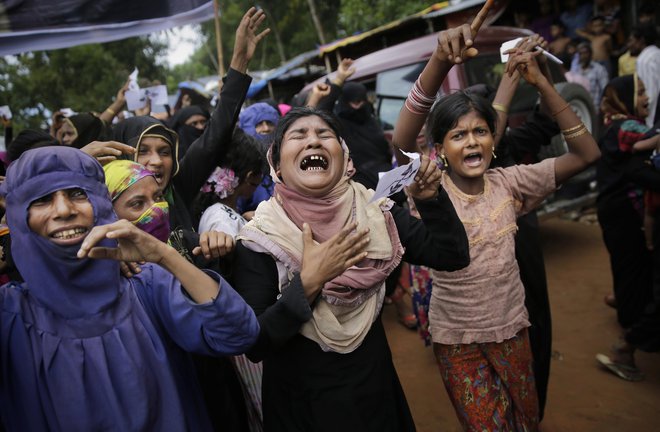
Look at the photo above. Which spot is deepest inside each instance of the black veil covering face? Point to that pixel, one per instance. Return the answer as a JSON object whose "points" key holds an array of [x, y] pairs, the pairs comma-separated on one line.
{"points": [[353, 92], [187, 133]]}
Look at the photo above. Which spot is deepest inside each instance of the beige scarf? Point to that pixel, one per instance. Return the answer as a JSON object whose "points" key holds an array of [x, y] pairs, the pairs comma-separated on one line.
{"points": [[350, 303]]}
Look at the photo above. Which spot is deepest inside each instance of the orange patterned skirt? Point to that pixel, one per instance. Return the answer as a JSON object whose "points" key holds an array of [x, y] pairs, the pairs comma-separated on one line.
{"points": [[491, 385]]}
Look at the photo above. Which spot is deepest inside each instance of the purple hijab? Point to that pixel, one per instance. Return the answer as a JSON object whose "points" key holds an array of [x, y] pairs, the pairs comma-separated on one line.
{"points": [[82, 348], [55, 277]]}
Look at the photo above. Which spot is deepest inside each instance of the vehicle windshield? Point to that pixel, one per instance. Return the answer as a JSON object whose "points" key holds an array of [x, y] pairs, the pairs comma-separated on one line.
{"points": [[392, 86]]}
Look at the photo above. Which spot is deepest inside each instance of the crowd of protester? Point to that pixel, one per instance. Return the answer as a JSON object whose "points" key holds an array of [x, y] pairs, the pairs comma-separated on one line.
{"points": [[225, 268]]}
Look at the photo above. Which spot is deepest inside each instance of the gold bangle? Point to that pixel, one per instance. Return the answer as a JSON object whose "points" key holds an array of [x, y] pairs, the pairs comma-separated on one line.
{"points": [[572, 129], [111, 111], [554, 114], [576, 134], [500, 107]]}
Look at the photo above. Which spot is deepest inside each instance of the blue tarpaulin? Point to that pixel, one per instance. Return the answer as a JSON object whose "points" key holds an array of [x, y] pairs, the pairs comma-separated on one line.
{"points": [[295, 62]]}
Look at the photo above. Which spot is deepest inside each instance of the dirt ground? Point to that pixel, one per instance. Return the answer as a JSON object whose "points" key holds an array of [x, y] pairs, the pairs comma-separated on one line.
{"points": [[582, 396]]}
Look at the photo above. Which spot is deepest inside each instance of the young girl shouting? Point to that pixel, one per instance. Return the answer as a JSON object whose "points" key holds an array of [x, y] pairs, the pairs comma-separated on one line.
{"points": [[478, 319]]}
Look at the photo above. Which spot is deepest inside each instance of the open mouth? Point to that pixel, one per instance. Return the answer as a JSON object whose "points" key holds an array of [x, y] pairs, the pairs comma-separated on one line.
{"points": [[159, 177], [70, 234], [314, 163], [473, 159]]}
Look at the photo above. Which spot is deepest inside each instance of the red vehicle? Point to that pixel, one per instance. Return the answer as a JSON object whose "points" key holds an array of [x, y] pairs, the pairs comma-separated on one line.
{"points": [[391, 72]]}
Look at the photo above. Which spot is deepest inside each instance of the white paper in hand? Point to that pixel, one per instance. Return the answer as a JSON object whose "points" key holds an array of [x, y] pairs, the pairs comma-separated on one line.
{"points": [[132, 80], [394, 180], [136, 99], [506, 46], [5, 112], [157, 94]]}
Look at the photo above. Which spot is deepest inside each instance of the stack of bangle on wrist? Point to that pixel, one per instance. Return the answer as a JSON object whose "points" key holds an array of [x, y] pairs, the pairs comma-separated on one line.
{"points": [[575, 131], [500, 107], [418, 102]]}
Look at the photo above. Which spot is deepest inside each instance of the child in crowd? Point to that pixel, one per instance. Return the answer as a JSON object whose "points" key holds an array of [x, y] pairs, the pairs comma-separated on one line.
{"points": [[622, 174], [84, 348], [258, 121], [560, 41], [601, 42], [478, 317], [238, 178], [651, 198]]}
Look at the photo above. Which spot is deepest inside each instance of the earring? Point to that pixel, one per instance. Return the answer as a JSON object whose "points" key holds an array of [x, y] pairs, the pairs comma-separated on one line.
{"points": [[494, 155]]}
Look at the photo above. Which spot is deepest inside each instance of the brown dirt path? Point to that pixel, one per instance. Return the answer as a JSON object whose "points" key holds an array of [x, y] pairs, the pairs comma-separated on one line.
{"points": [[582, 396]]}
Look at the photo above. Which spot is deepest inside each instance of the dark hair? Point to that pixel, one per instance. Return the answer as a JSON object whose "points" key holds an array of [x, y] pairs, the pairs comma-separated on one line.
{"points": [[597, 18], [29, 139], [293, 115], [244, 156], [448, 110], [585, 45], [559, 23], [646, 32]]}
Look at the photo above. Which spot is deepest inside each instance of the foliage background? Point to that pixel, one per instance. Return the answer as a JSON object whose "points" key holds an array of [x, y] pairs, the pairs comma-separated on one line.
{"points": [[87, 77]]}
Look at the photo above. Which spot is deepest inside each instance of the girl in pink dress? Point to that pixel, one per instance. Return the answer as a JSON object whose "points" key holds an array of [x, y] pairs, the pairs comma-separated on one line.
{"points": [[478, 320]]}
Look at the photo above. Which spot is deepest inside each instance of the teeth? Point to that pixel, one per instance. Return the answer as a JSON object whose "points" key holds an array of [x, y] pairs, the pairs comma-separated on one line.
{"points": [[69, 233], [314, 158]]}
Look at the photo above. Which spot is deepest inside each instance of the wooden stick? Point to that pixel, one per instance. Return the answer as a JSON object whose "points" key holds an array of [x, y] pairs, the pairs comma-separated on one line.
{"points": [[218, 43]]}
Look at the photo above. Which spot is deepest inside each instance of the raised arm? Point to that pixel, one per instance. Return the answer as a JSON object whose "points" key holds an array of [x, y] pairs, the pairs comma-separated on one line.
{"points": [[582, 148], [115, 107], [454, 47], [509, 84], [327, 103], [209, 150]]}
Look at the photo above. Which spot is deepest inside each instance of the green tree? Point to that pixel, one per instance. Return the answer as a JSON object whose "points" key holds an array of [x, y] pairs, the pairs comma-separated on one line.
{"points": [[362, 15], [83, 78]]}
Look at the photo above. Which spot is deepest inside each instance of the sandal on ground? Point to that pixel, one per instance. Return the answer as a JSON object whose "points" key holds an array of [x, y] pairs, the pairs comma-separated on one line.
{"points": [[409, 321], [623, 371]]}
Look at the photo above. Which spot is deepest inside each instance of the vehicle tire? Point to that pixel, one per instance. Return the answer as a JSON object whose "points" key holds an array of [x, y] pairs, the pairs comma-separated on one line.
{"points": [[580, 101]]}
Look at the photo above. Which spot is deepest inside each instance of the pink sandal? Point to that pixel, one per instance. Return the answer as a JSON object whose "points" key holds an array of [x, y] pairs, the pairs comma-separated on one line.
{"points": [[409, 321]]}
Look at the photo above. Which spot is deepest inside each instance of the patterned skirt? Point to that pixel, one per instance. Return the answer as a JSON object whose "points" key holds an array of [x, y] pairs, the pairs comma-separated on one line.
{"points": [[491, 385]]}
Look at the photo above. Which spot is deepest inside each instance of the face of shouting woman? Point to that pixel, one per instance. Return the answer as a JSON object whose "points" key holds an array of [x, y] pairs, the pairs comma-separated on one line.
{"points": [[311, 157]]}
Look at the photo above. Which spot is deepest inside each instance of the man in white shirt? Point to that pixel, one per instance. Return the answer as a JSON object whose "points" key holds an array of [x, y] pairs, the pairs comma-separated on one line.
{"points": [[641, 43]]}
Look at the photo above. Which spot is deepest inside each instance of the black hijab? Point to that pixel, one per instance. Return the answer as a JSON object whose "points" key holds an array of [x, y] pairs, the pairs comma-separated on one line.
{"points": [[89, 128], [29, 139], [187, 133]]}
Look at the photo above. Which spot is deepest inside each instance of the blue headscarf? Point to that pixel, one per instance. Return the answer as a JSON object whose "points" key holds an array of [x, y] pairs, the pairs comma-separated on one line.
{"points": [[55, 277], [251, 116]]}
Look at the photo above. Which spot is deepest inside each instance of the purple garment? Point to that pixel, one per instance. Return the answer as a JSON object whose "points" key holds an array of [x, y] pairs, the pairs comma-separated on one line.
{"points": [[83, 349], [251, 116]]}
